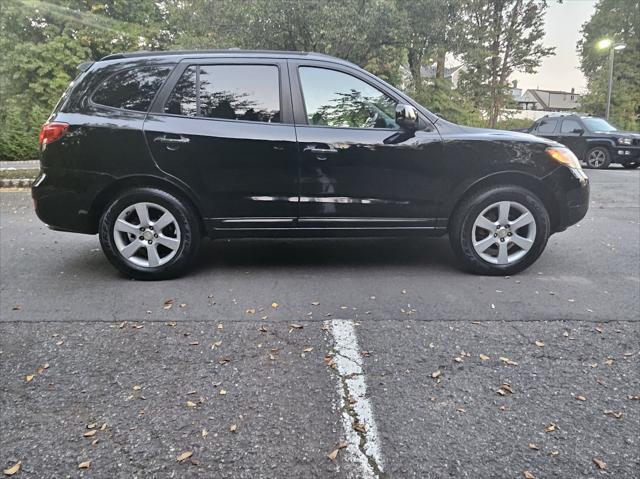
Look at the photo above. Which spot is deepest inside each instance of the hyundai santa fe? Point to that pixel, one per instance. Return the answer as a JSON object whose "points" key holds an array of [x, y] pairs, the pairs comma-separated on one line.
{"points": [[153, 151]]}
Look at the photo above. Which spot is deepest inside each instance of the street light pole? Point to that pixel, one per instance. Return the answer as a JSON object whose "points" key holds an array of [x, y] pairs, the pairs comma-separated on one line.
{"points": [[611, 50]]}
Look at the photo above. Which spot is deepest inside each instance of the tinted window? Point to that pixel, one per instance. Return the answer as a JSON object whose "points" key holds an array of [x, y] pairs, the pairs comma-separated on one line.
{"points": [[230, 92], [547, 126], [569, 125], [337, 99], [599, 124], [132, 89]]}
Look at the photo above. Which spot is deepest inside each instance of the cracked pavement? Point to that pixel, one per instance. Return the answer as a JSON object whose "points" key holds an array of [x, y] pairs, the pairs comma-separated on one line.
{"points": [[154, 375]]}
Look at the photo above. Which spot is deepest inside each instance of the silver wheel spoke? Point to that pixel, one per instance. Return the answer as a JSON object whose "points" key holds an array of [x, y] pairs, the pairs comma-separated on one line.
{"points": [[152, 253], [131, 248], [522, 220], [482, 245], [170, 243], [484, 223], [143, 214], [503, 253], [164, 220], [503, 213], [524, 243], [126, 227]]}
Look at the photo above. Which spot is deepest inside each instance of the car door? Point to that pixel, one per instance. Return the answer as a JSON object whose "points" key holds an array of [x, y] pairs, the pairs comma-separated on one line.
{"points": [[224, 128], [572, 136], [547, 128], [357, 168]]}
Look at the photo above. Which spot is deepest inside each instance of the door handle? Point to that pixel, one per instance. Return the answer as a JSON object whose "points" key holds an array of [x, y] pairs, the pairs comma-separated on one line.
{"points": [[172, 143], [321, 153]]}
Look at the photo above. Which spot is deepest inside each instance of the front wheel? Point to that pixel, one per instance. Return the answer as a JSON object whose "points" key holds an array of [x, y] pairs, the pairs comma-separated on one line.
{"points": [[499, 231], [598, 158], [149, 234]]}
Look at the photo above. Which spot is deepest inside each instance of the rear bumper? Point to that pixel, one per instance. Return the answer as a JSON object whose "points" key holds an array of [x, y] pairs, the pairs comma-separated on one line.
{"points": [[62, 198], [570, 188]]}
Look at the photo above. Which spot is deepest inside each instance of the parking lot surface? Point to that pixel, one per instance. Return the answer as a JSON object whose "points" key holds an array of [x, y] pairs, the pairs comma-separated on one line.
{"points": [[274, 354]]}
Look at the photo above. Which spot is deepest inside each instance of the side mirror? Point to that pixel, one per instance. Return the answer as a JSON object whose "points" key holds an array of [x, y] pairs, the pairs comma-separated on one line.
{"points": [[578, 131], [406, 117]]}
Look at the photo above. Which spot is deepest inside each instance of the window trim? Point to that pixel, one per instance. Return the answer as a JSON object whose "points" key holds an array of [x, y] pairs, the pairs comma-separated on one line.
{"points": [[304, 103], [94, 104], [286, 115]]}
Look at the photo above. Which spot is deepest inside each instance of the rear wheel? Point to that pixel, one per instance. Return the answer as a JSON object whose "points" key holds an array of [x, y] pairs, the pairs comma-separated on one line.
{"points": [[149, 234], [598, 158], [499, 231]]}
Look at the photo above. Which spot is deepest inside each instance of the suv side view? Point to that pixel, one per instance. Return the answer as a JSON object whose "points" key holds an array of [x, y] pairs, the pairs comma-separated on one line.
{"points": [[153, 151], [594, 140]]}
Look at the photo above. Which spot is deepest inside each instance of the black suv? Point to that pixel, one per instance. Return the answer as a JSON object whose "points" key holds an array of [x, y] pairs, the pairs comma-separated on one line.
{"points": [[152, 151], [594, 140]]}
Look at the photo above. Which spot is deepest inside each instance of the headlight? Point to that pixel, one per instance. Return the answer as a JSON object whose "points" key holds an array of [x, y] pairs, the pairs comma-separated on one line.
{"points": [[625, 141], [564, 156]]}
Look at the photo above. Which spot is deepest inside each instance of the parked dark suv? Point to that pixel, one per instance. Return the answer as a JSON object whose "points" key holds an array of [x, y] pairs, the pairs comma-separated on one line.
{"points": [[594, 140], [154, 150]]}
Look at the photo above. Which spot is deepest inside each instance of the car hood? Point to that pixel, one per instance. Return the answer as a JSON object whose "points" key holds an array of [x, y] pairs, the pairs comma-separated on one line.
{"points": [[619, 134], [507, 135]]}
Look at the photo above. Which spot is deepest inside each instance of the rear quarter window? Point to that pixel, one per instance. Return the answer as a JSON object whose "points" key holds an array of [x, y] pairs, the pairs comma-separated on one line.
{"points": [[131, 89]]}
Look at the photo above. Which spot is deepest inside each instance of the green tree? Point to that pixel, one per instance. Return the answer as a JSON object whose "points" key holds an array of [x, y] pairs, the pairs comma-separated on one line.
{"points": [[618, 20], [500, 37]]}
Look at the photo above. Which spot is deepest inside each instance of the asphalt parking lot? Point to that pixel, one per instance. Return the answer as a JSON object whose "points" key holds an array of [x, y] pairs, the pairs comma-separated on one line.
{"points": [[273, 355]]}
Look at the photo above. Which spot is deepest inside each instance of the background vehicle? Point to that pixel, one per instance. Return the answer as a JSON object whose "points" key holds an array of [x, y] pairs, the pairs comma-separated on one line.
{"points": [[594, 140], [153, 150]]}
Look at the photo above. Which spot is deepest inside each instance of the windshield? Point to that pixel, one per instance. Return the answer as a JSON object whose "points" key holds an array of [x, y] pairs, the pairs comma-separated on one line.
{"points": [[598, 124]]}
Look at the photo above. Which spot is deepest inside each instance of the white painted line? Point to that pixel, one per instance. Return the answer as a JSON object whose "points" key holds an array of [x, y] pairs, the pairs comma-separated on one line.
{"points": [[363, 449]]}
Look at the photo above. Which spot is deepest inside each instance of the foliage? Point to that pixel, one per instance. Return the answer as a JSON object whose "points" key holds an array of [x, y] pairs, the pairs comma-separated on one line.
{"points": [[618, 20], [440, 98], [501, 37]]}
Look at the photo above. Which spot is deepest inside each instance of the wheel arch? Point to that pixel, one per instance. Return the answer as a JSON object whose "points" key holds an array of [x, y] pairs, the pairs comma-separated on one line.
{"points": [[513, 178], [106, 195]]}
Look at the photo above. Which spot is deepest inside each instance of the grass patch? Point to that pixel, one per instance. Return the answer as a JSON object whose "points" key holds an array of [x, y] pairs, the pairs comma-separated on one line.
{"points": [[19, 174]]}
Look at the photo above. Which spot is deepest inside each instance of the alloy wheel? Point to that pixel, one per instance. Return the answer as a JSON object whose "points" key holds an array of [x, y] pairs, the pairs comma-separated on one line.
{"points": [[146, 234], [596, 158], [503, 233]]}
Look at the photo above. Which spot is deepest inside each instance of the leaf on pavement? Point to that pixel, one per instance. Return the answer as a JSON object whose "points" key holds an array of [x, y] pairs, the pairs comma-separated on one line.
{"points": [[484, 357], [600, 463], [262, 328], [233, 428], [137, 387], [168, 304], [223, 392], [550, 428], [296, 326], [508, 361], [533, 446], [436, 374], [13, 469], [224, 360], [616, 414], [528, 475], [191, 404], [29, 377], [540, 344], [220, 326], [90, 433], [308, 350], [250, 311], [581, 398], [205, 433], [315, 303], [505, 389], [85, 464], [184, 456], [333, 454], [274, 305], [358, 426]]}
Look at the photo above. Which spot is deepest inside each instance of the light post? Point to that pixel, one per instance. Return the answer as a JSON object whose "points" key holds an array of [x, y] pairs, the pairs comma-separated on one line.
{"points": [[603, 45]]}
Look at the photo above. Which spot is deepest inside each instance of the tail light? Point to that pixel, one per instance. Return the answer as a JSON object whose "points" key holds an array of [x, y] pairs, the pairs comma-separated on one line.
{"points": [[51, 132]]}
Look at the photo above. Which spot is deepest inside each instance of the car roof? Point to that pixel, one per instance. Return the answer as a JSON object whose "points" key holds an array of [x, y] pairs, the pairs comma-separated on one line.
{"points": [[232, 52]]}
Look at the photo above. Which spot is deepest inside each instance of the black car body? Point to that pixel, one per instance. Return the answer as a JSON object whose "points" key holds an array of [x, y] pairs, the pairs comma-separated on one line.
{"points": [[230, 136], [594, 140]]}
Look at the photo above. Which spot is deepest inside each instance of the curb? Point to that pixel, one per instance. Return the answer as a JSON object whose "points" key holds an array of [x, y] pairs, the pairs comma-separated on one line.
{"points": [[16, 182]]}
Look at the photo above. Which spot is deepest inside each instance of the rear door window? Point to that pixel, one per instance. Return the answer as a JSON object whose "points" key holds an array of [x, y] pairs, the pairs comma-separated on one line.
{"points": [[569, 126], [547, 126], [228, 92], [132, 89]]}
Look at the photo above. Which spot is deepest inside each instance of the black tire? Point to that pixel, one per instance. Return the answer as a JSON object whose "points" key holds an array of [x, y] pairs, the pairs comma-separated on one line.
{"points": [[632, 165], [593, 158], [185, 219], [462, 221]]}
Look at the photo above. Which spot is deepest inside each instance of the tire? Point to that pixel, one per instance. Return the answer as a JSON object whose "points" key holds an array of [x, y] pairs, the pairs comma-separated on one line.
{"points": [[465, 224], [154, 254], [598, 158], [632, 165]]}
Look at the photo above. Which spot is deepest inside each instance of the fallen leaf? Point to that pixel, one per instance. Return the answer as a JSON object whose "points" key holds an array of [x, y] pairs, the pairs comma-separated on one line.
{"points": [[233, 428], [600, 463], [274, 305], [358, 426], [91, 426], [137, 388], [262, 329], [171, 323], [223, 392], [554, 453], [13, 469], [616, 414], [17, 307], [191, 404], [308, 350], [508, 361], [296, 326], [184, 456], [29, 377], [250, 311], [461, 409], [533, 446], [540, 344], [103, 427], [220, 326], [90, 433], [315, 303], [205, 433], [581, 398], [168, 304], [333, 454], [528, 475], [484, 357], [85, 464], [550, 428], [436, 374], [224, 360]]}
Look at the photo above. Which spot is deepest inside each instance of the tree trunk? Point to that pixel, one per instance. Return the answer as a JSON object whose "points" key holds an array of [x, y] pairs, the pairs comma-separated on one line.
{"points": [[440, 64], [415, 62]]}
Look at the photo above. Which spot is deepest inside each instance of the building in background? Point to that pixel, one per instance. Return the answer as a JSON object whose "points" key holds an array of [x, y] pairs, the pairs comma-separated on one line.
{"points": [[549, 100]]}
